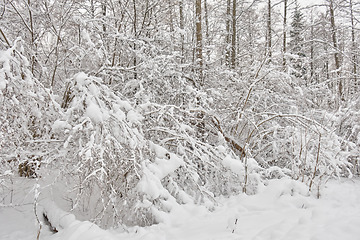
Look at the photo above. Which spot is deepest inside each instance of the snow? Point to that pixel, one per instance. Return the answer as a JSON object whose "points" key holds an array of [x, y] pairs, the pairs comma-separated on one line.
{"points": [[59, 125], [281, 210], [153, 172], [151, 185], [159, 151], [185, 128], [163, 167], [58, 218], [221, 149], [125, 105], [75, 229], [134, 117], [15, 224], [118, 113], [3, 82], [94, 112], [5, 68], [80, 78], [234, 165], [164, 163]]}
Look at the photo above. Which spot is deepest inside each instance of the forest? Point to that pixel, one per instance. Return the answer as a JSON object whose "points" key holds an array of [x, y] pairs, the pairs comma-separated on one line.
{"points": [[118, 111]]}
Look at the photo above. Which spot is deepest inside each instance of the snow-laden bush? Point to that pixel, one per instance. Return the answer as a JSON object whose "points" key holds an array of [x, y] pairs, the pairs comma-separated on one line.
{"points": [[131, 161], [347, 122], [280, 123], [103, 151], [26, 112], [129, 164]]}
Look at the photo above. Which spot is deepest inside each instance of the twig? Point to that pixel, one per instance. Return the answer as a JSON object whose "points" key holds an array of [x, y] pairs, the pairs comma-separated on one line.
{"points": [[316, 165], [3, 34]]}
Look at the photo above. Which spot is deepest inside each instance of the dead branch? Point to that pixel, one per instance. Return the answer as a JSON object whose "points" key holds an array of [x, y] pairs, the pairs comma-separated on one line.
{"points": [[234, 145]]}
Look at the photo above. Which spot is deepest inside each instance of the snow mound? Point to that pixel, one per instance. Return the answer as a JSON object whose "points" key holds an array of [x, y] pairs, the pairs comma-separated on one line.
{"points": [[71, 229], [282, 210]]}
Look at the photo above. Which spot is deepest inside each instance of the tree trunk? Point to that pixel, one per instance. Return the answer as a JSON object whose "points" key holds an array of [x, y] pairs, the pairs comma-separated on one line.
{"points": [[103, 9], [207, 36], [171, 17], [353, 46], [198, 48], [135, 36], [92, 9], [268, 42], [181, 15], [233, 36], [228, 34], [335, 45], [312, 59], [284, 34], [32, 38]]}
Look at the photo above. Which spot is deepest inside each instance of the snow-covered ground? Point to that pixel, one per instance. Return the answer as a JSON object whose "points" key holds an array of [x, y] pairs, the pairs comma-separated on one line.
{"points": [[282, 210]]}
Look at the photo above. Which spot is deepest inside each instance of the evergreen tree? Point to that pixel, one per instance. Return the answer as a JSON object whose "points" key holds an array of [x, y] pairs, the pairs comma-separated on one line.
{"points": [[297, 49]]}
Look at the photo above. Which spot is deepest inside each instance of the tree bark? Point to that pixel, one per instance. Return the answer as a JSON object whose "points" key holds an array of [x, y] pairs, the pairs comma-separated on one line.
{"points": [[199, 47], [312, 58], [233, 36], [335, 45], [268, 42], [207, 35], [284, 34], [228, 34], [33, 60], [135, 36], [181, 16], [353, 46]]}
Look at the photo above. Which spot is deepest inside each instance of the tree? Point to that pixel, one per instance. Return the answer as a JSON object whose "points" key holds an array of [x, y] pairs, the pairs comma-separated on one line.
{"points": [[284, 32], [336, 49], [297, 43], [233, 35], [355, 86], [182, 28], [27, 112], [269, 31], [199, 43], [228, 32], [152, 116]]}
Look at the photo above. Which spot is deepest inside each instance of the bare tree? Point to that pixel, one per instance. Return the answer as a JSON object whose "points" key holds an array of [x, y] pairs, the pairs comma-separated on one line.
{"points": [[353, 46], [269, 32], [198, 44], [207, 28], [233, 35], [336, 48], [228, 33], [182, 26], [284, 33]]}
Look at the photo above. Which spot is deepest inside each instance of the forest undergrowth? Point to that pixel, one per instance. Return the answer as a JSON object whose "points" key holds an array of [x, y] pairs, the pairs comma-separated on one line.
{"points": [[126, 162], [123, 125]]}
